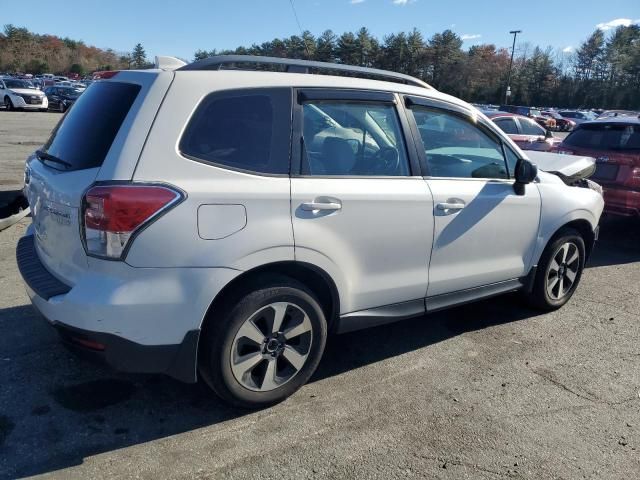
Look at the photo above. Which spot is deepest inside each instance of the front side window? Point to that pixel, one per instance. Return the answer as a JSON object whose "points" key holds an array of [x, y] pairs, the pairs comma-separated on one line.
{"points": [[352, 138], [454, 147], [529, 127], [247, 130]]}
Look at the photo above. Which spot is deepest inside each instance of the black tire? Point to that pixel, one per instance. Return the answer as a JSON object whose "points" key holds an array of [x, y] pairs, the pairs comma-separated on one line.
{"points": [[219, 341], [8, 104], [542, 296]]}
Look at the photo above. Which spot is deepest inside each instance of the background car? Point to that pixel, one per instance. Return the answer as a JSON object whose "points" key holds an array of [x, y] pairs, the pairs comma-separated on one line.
{"points": [[17, 93], [61, 98], [577, 116], [534, 113], [527, 134], [615, 143], [562, 124]]}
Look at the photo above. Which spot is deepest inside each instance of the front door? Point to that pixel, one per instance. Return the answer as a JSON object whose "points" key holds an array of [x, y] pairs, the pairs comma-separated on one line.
{"points": [[484, 232], [360, 209]]}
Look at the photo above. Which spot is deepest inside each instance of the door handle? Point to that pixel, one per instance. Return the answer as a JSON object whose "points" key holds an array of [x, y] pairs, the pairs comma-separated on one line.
{"points": [[326, 206], [450, 207]]}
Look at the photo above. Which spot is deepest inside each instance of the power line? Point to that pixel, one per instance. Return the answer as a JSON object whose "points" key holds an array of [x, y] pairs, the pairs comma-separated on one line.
{"points": [[295, 14]]}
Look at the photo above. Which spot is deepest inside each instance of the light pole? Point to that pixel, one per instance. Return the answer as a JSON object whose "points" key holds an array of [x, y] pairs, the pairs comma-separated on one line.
{"points": [[513, 50]]}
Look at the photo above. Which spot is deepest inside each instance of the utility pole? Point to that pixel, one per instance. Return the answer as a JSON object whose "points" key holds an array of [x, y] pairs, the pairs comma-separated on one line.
{"points": [[513, 50]]}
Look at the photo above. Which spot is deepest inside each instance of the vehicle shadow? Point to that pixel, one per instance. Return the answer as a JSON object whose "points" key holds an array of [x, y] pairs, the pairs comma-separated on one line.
{"points": [[55, 409], [619, 242]]}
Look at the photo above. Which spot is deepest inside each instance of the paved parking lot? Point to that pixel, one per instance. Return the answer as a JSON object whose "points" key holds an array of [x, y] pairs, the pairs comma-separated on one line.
{"points": [[489, 390]]}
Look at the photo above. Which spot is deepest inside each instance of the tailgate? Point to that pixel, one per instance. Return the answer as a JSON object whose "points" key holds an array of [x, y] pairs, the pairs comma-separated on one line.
{"points": [[100, 138]]}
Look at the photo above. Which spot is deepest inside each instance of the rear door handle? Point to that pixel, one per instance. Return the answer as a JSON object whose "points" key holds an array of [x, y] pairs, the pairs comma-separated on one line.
{"points": [[326, 206], [450, 207]]}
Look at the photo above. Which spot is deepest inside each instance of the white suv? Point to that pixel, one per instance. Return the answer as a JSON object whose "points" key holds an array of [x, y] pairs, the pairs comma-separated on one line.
{"points": [[222, 221]]}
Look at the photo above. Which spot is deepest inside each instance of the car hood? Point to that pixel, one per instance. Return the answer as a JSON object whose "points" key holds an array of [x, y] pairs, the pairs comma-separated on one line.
{"points": [[567, 167], [26, 91]]}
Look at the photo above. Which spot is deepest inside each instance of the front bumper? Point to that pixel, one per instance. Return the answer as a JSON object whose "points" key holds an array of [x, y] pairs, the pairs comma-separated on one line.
{"points": [[620, 201], [20, 102], [143, 320]]}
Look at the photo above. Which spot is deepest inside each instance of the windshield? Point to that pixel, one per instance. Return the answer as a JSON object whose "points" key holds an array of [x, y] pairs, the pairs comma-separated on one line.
{"points": [[17, 83], [605, 136]]}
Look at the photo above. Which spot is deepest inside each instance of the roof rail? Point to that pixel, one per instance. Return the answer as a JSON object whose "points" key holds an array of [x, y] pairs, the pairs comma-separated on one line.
{"points": [[301, 66]]}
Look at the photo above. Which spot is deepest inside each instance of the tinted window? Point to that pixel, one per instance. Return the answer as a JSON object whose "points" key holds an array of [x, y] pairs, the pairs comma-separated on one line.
{"points": [[242, 130], [85, 134], [455, 147], [507, 125], [352, 138], [530, 127], [605, 136]]}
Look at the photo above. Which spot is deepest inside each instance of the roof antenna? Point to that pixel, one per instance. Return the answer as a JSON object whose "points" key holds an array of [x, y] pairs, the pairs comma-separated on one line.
{"points": [[306, 47]]}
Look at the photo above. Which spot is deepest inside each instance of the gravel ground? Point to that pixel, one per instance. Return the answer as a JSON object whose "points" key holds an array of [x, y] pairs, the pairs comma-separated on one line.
{"points": [[489, 390]]}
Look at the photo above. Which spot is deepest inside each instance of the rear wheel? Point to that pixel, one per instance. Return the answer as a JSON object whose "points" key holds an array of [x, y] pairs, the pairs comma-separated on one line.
{"points": [[559, 271], [8, 104], [263, 348]]}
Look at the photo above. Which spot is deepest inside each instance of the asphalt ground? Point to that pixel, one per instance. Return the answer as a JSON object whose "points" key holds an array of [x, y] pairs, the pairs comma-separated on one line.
{"points": [[490, 390]]}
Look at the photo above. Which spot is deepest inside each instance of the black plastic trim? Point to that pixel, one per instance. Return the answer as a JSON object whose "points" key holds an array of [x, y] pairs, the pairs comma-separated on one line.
{"points": [[373, 317], [34, 273], [176, 360], [440, 302], [346, 94]]}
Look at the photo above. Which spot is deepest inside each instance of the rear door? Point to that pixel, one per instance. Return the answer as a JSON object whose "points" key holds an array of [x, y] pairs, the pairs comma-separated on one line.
{"points": [[359, 206], [534, 135], [484, 232], [509, 126], [91, 135]]}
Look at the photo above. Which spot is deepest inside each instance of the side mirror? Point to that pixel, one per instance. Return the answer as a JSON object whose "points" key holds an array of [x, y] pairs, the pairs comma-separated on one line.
{"points": [[525, 172]]}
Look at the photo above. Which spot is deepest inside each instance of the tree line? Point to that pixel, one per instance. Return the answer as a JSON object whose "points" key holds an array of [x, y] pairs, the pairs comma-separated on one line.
{"points": [[26, 52], [603, 72]]}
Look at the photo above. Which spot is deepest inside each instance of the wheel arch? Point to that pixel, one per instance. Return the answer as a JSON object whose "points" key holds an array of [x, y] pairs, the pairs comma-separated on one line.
{"points": [[313, 277], [582, 225]]}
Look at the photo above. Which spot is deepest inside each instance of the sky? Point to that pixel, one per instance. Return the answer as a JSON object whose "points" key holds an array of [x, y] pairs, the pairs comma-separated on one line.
{"points": [[179, 28]]}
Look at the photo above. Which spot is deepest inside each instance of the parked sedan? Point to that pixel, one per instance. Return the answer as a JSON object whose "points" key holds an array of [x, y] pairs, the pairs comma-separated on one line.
{"points": [[615, 144], [17, 93], [61, 98], [527, 134], [533, 113], [562, 124]]}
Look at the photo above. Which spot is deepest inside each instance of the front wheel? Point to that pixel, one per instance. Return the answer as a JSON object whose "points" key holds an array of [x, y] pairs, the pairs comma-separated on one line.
{"points": [[559, 271], [265, 347], [8, 104]]}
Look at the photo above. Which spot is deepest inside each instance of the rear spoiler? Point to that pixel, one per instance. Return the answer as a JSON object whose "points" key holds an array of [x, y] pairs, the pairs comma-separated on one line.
{"points": [[169, 63]]}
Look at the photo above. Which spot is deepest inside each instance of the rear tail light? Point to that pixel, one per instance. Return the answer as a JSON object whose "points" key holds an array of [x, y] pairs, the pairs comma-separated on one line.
{"points": [[112, 214]]}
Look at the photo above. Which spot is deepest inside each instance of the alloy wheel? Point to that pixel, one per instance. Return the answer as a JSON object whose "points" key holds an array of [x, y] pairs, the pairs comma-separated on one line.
{"points": [[271, 346], [563, 270]]}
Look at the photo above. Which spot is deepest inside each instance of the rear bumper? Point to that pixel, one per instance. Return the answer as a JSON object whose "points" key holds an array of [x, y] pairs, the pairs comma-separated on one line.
{"points": [[177, 361], [143, 320], [623, 202]]}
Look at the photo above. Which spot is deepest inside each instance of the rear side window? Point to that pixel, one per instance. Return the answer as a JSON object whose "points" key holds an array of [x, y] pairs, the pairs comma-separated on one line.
{"points": [[605, 136], [246, 130], [507, 125], [529, 127], [84, 136]]}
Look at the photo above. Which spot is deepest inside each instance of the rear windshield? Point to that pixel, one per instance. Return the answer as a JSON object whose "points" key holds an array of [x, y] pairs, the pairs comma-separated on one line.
{"points": [[605, 136], [84, 136]]}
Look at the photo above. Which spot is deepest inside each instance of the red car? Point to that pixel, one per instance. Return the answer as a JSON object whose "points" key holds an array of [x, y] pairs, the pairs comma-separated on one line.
{"points": [[527, 134], [534, 113], [615, 144]]}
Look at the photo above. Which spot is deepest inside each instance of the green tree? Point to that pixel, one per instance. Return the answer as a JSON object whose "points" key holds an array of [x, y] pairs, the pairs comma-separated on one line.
{"points": [[138, 56]]}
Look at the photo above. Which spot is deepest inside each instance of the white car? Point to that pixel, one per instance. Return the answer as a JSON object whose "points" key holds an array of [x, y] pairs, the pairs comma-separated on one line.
{"points": [[219, 223], [17, 93]]}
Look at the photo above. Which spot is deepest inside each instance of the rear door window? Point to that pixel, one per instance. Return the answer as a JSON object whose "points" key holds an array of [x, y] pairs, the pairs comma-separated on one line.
{"points": [[529, 127], [605, 136], [243, 130], [507, 125], [84, 136]]}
